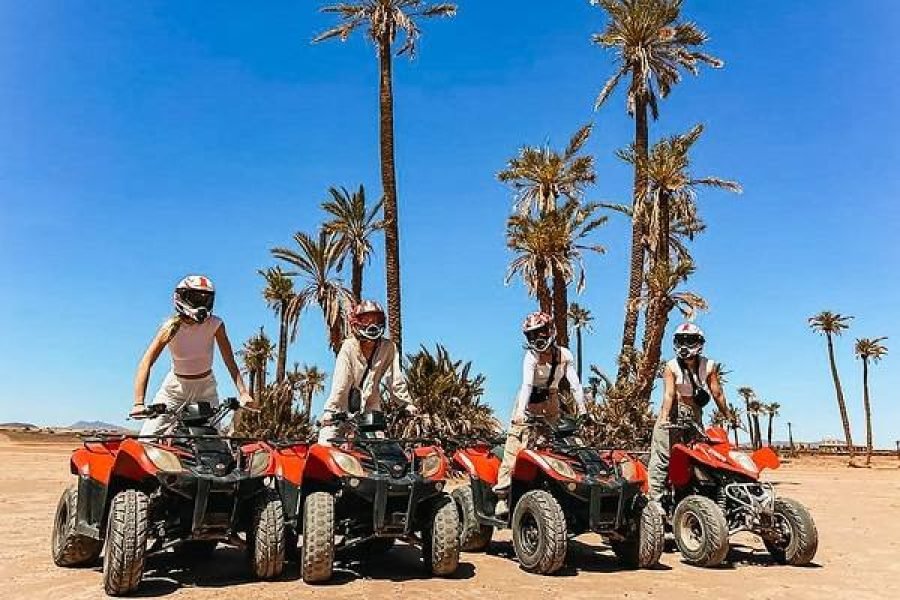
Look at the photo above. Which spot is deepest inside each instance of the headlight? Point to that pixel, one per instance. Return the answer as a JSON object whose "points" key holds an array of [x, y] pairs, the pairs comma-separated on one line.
{"points": [[163, 459], [430, 465], [348, 464], [259, 463], [744, 461], [560, 466]]}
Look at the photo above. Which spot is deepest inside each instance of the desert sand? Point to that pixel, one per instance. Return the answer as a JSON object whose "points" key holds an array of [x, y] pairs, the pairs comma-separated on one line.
{"points": [[857, 512]]}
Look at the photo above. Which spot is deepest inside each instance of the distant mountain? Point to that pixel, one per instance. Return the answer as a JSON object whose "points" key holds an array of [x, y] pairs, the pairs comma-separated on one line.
{"points": [[97, 426], [18, 425]]}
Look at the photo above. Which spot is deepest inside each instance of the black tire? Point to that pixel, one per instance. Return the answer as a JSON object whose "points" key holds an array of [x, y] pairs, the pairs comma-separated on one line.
{"points": [[291, 544], [267, 539], [317, 553], [126, 542], [473, 536], [440, 548], [70, 549], [701, 532], [539, 533], [644, 546], [801, 539]]}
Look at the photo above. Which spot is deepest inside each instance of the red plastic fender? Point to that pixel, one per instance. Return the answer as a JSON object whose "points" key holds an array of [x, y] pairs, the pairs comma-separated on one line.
{"points": [[423, 451], [290, 462], [319, 464], [632, 469], [95, 460], [479, 462], [765, 458], [680, 466], [530, 462], [132, 462]]}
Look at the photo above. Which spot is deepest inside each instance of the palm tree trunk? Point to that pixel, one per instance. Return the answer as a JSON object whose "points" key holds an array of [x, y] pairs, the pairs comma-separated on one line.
{"points": [[737, 442], [769, 432], [560, 308], [757, 436], [544, 298], [578, 341], [308, 407], [636, 268], [389, 183], [839, 392], [356, 278], [868, 409], [649, 366], [281, 364], [260, 381], [252, 375]]}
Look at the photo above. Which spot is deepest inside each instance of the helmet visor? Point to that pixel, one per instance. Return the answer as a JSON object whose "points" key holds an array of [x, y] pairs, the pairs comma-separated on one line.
{"points": [[198, 298], [688, 339]]}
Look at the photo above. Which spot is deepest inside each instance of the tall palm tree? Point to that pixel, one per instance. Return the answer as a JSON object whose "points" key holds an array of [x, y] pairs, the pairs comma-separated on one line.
{"points": [[549, 245], [831, 324], [279, 295], [354, 223], [756, 408], [383, 21], [869, 349], [316, 260], [652, 47], [669, 193], [749, 396], [312, 382], [581, 320], [772, 412], [256, 354]]}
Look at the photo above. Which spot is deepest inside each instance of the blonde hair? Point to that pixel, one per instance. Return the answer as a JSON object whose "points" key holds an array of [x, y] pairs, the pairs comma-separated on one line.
{"points": [[170, 327]]}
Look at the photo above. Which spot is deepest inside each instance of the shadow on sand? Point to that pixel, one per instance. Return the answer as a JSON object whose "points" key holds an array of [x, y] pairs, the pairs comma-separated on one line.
{"points": [[581, 558]]}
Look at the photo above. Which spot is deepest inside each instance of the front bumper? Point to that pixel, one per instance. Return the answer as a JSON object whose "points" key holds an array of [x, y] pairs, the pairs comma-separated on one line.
{"points": [[394, 501], [611, 504]]}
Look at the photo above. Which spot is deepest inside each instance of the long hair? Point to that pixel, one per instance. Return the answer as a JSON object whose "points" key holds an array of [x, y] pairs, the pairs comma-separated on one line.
{"points": [[170, 327]]}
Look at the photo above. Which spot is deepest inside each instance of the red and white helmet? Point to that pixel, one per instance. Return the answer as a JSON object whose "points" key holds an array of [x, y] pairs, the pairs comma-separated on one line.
{"points": [[369, 331], [194, 297], [689, 340], [539, 331]]}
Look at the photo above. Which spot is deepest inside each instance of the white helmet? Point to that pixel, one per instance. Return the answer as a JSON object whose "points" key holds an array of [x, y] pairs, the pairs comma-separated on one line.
{"points": [[372, 331], [689, 341], [194, 297]]}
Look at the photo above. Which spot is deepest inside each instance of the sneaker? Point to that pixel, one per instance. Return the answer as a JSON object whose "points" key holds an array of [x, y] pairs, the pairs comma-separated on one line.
{"points": [[501, 509]]}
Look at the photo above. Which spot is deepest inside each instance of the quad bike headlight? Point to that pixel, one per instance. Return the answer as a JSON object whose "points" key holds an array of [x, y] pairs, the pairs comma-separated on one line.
{"points": [[259, 463], [430, 465], [163, 459], [744, 461], [348, 464], [560, 466]]}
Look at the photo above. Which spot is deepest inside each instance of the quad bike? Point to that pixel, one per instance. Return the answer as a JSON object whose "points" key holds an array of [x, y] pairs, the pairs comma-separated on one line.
{"points": [[189, 489], [715, 492], [371, 491], [560, 488]]}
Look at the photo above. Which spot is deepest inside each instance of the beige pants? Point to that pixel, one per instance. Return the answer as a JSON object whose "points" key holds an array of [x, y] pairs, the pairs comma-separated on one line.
{"points": [[518, 437], [660, 450], [175, 392]]}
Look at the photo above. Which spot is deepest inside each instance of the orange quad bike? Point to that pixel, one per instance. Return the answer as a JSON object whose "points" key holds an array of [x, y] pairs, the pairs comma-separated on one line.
{"points": [[363, 491], [189, 489], [560, 488], [715, 491]]}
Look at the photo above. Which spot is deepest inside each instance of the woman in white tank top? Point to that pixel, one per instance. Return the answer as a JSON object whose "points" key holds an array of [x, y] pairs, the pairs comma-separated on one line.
{"points": [[190, 337]]}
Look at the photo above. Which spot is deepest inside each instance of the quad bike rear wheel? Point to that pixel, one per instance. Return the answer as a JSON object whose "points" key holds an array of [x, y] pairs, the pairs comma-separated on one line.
{"points": [[70, 549], [642, 548], [440, 539], [799, 539], [701, 532], [126, 542], [267, 537], [473, 536], [539, 533], [317, 553]]}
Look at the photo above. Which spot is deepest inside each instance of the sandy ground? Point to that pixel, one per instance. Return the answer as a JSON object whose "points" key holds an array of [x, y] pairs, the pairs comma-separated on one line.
{"points": [[857, 512]]}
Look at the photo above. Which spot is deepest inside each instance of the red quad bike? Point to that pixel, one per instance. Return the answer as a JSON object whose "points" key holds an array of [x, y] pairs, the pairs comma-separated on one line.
{"points": [[560, 488], [715, 492], [371, 491], [191, 488]]}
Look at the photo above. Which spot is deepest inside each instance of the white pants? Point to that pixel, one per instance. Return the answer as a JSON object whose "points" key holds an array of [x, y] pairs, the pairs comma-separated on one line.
{"points": [[175, 392]]}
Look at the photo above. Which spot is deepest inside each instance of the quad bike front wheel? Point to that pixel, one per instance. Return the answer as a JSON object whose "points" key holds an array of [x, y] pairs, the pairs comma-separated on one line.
{"points": [[644, 544], [701, 532], [126, 542], [267, 537], [473, 536], [70, 549], [317, 553], [798, 539], [440, 540], [539, 533]]}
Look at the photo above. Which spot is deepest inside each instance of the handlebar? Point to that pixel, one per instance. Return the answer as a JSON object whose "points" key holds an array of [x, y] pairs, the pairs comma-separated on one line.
{"points": [[157, 410]]}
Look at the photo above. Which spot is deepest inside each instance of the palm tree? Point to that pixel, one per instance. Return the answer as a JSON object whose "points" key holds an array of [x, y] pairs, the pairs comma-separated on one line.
{"points": [[354, 223], [279, 295], [312, 381], [772, 412], [755, 409], [652, 48], [256, 354], [734, 422], [548, 245], [316, 260], [669, 192], [869, 349], [831, 324], [748, 395], [580, 318], [382, 21]]}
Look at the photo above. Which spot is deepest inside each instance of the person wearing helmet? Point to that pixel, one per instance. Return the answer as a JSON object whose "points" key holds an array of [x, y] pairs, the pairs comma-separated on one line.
{"points": [[690, 380], [189, 335], [366, 358], [545, 365]]}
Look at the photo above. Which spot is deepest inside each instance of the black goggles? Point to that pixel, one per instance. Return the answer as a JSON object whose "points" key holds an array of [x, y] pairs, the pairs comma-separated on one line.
{"points": [[689, 339], [198, 298]]}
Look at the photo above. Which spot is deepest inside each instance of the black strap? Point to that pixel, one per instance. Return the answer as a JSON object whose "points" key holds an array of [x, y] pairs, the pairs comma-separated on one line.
{"points": [[369, 364], [554, 362]]}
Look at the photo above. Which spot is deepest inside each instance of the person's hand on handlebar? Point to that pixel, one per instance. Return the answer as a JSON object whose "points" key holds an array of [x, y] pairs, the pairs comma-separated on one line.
{"points": [[138, 411], [248, 403]]}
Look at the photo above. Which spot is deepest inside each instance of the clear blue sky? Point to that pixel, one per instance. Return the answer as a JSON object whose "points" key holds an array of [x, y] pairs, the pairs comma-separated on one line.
{"points": [[140, 141]]}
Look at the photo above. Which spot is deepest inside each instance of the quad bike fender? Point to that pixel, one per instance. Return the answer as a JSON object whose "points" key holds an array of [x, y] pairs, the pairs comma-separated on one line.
{"points": [[289, 462], [320, 468], [631, 469], [766, 458], [529, 464], [422, 451], [480, 463], [680, 458], [132, 462], [93, 461]]}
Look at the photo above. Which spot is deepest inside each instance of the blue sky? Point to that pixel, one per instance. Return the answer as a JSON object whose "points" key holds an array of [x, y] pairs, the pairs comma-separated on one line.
{"points": [[145, 140]]}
